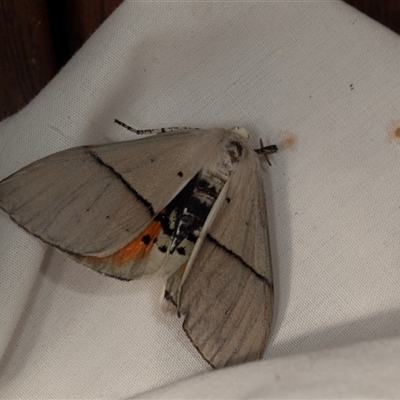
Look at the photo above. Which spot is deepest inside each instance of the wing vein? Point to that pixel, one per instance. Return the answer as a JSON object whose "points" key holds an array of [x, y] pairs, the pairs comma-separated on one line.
{"points": [[144, 201], [233, 254]]}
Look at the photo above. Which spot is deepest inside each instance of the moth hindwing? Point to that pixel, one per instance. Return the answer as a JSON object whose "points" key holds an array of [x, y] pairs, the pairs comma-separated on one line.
{"points": [[189, 203]]}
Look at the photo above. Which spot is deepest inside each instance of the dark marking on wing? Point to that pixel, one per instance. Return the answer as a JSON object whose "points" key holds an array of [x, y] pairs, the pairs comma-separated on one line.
{"points": [[146, 239], [192, 220], [176, 207], [233, 254], [181, 251], [194, 214], [196, 347], [145, 202], [112, 276], [168, 297], [163, 249], [208, 190]]}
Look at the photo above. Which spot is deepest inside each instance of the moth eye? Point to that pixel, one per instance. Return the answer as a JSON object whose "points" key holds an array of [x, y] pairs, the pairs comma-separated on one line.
{"points": [[180, 173]]}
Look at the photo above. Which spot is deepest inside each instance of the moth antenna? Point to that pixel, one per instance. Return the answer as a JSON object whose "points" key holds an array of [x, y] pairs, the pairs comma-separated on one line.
{"points": [[117, 121], [266, 150], [156, 131]]}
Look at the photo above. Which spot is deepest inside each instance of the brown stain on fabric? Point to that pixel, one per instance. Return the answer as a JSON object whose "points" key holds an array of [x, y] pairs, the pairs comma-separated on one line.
{"points": [[289, 140], [394, 131]]}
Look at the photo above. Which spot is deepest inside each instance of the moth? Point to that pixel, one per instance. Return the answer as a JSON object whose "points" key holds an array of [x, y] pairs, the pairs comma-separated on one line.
{"points": [[189, 203]]}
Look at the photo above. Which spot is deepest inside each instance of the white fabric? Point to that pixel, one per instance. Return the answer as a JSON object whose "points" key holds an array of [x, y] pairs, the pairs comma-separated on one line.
{"points": [[319, 71], [366, 370]]}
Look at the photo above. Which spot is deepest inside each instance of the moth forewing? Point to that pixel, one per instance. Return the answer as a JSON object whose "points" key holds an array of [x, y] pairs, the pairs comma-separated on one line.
{"points": [[226, 298]]}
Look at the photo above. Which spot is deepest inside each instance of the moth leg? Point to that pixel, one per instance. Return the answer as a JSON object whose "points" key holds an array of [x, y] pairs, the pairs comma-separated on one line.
{"points": [[153, 131]]}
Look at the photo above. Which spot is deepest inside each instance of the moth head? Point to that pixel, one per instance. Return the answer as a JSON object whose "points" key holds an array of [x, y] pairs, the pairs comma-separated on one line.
{"points": [[241, 132], [232, 151]]}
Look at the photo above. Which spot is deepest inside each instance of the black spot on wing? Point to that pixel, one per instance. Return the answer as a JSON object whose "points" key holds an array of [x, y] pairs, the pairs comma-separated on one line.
{"points": [[181, 251], [163, 249], [146, 239]]}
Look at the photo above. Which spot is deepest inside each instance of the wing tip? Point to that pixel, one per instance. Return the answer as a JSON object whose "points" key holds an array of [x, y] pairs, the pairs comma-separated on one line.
{"points": [[197, 348]]}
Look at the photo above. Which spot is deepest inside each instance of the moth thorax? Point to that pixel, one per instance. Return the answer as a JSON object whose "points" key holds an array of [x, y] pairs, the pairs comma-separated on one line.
{"points": [[233, 151]]}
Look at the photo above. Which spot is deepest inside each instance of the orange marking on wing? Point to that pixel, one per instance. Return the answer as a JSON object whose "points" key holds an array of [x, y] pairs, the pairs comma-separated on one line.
{"points": [[138, 249]]}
